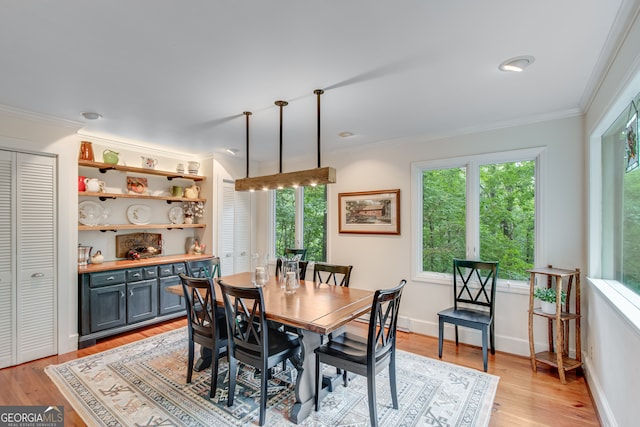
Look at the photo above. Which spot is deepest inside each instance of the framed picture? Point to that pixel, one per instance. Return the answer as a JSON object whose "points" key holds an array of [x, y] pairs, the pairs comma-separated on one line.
{"points": [[136, 185], [369, 212]]}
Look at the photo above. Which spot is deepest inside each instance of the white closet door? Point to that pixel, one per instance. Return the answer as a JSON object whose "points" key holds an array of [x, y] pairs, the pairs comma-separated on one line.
{"points": [[36, 257], [7, 261], [235, 236]]}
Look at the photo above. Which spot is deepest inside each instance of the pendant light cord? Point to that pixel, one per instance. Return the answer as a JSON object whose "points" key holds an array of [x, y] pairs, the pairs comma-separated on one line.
{"points": [[318, 92], [247, 114]]}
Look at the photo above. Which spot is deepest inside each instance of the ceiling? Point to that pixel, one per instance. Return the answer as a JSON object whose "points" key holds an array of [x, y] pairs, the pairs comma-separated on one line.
{"points": [[180, 73]]}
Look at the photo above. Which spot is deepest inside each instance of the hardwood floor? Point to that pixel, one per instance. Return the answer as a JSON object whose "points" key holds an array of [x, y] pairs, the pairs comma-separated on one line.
{"points": [[524, 398]]}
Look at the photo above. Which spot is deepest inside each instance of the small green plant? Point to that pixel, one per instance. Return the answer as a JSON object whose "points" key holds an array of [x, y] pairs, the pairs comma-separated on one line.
{"points": [[548, 295]]}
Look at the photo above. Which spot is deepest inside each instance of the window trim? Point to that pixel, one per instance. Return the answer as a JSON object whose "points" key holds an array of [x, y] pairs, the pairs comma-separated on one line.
{"points": [[473, 163]]}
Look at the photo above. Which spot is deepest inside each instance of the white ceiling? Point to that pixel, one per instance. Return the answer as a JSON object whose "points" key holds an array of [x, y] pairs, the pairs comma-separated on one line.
{"points": [[180, 73]]}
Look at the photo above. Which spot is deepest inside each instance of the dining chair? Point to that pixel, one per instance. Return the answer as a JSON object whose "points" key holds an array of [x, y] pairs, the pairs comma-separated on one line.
{"points": [[367, 356], [251, 341], [204, 325], [474, 291], [204, 267], [302, 266], [209, 267], [292, 252], [338, 275]]}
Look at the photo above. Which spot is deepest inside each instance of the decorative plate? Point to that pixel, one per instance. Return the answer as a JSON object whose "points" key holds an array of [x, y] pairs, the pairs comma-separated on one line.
{"points": [[89, 213], [138, 214], [176, 215]]}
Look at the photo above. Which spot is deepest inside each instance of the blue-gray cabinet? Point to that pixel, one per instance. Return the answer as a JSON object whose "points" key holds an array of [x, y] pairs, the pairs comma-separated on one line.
{"points": [[119, 300]]}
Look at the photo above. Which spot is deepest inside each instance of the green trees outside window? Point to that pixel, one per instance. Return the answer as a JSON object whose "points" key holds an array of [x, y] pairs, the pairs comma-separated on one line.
{"points": [[312, 233], [480, 211]]}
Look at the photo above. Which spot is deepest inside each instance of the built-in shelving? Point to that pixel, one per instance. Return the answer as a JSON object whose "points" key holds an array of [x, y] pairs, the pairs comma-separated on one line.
{"points": [[169, 199], [104, 167], [116, 227]]}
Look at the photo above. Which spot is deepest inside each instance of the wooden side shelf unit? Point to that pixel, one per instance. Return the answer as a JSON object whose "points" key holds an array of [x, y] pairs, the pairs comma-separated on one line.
{"points": [[563, 317]]}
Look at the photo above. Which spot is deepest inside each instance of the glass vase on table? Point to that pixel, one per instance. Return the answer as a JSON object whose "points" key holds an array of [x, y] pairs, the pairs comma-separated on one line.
{"points": [[259, 270]]}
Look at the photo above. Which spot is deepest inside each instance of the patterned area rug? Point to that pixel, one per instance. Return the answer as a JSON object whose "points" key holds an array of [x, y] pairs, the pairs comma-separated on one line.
{"points": [[143, 384]]}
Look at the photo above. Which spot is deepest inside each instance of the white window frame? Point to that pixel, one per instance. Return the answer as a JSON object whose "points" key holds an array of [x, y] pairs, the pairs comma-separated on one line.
{"points": [[472, 163]]}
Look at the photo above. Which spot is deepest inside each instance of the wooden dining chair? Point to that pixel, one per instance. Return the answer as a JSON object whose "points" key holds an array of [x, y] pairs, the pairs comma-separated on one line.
{"points": [[251, 341], [338, 275], [474, 291], [367, 356], [205, 327]]}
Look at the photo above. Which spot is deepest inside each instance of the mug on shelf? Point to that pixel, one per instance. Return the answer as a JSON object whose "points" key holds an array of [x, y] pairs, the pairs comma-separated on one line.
{"points": [[82, 186], [193, 167], [180, 168], [176, 191]]}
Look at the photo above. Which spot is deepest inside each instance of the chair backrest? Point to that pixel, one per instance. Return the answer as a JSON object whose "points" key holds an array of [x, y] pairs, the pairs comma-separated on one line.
{"points": [[246, 321], [200, 297], [204, 268], [383, 322], [338, 275], [291, 252], [302, 265], [474, 283]]}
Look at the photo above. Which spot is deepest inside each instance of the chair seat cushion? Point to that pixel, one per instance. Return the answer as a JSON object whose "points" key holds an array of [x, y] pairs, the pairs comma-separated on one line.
{"points": [[466, 314], [346, 346], [279, 342]]}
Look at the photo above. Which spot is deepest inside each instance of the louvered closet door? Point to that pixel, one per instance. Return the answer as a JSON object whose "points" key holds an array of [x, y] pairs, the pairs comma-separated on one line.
{"points": [[7, 261], [235, 242], [36, 257]]}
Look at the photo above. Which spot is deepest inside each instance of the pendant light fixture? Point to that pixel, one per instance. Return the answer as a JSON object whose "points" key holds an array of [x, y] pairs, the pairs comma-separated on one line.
{"points": [[309, 177]]}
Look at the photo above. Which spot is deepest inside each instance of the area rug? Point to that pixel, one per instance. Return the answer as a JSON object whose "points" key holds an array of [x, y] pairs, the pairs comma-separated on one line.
{"points": [[144, 384]]}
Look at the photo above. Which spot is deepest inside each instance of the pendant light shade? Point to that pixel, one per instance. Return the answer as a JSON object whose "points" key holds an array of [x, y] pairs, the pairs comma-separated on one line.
{"points": [[309, 177]]}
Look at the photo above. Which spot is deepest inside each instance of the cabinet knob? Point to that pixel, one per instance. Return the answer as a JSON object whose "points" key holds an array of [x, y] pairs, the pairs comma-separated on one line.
{"points": [[121, 294], [37, 275], [111, 278], [130, 293], [136, 275]]}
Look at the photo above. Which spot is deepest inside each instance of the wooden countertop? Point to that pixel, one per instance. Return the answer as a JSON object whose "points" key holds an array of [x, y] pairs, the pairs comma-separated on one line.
{"points": [[127, 263]]}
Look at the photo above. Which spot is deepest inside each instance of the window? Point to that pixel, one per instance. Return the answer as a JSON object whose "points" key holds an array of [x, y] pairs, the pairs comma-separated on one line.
{"points": [[481, 207], [621, 201], [309, 204]]}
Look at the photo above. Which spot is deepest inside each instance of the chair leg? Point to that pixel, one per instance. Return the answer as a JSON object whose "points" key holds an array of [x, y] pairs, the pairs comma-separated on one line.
{"points": [[214, 372], [392, 379], [456, 335], [492, 336], [190, 362], [263, 394], [440, 333], [345, 378], [485, 343], [233, 367], [371, 388]]}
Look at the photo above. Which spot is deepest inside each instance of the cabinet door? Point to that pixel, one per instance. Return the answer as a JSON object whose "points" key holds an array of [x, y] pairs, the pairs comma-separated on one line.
{"points": [[7, 261], [169, 302], [107, 307], [142, 300], [37, 296], [235, 238]]}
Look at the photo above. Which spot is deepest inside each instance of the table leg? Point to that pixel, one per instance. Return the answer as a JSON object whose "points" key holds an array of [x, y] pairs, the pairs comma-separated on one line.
{"points": [[305, 382], [204, 361]]}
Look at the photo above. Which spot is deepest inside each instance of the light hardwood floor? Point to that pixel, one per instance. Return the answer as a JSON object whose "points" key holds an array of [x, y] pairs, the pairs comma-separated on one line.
{"points": [[524, 398]]}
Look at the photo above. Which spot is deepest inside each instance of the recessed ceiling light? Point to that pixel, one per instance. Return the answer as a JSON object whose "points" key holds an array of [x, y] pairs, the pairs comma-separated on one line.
{"points": [[517, 64], [231, 151], [91, 115], [345, 134]]}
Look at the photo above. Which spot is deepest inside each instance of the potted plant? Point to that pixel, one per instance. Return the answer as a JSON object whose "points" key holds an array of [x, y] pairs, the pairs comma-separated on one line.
{"points": [[547, 297]]}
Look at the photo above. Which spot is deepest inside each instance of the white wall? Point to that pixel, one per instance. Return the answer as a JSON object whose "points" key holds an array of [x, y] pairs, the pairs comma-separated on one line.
{"points": [[612, 330]]}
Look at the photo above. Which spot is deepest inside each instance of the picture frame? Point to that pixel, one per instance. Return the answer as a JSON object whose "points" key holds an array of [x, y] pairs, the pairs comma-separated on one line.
{"points": [[137, 185], [369, 212]]}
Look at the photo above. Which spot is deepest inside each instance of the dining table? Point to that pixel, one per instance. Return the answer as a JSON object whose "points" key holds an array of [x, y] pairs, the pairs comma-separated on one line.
{"points": [[314, 311]]}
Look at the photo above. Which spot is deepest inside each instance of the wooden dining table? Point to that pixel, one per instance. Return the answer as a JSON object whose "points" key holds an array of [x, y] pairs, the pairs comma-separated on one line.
{"points": [[313, 311]]}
